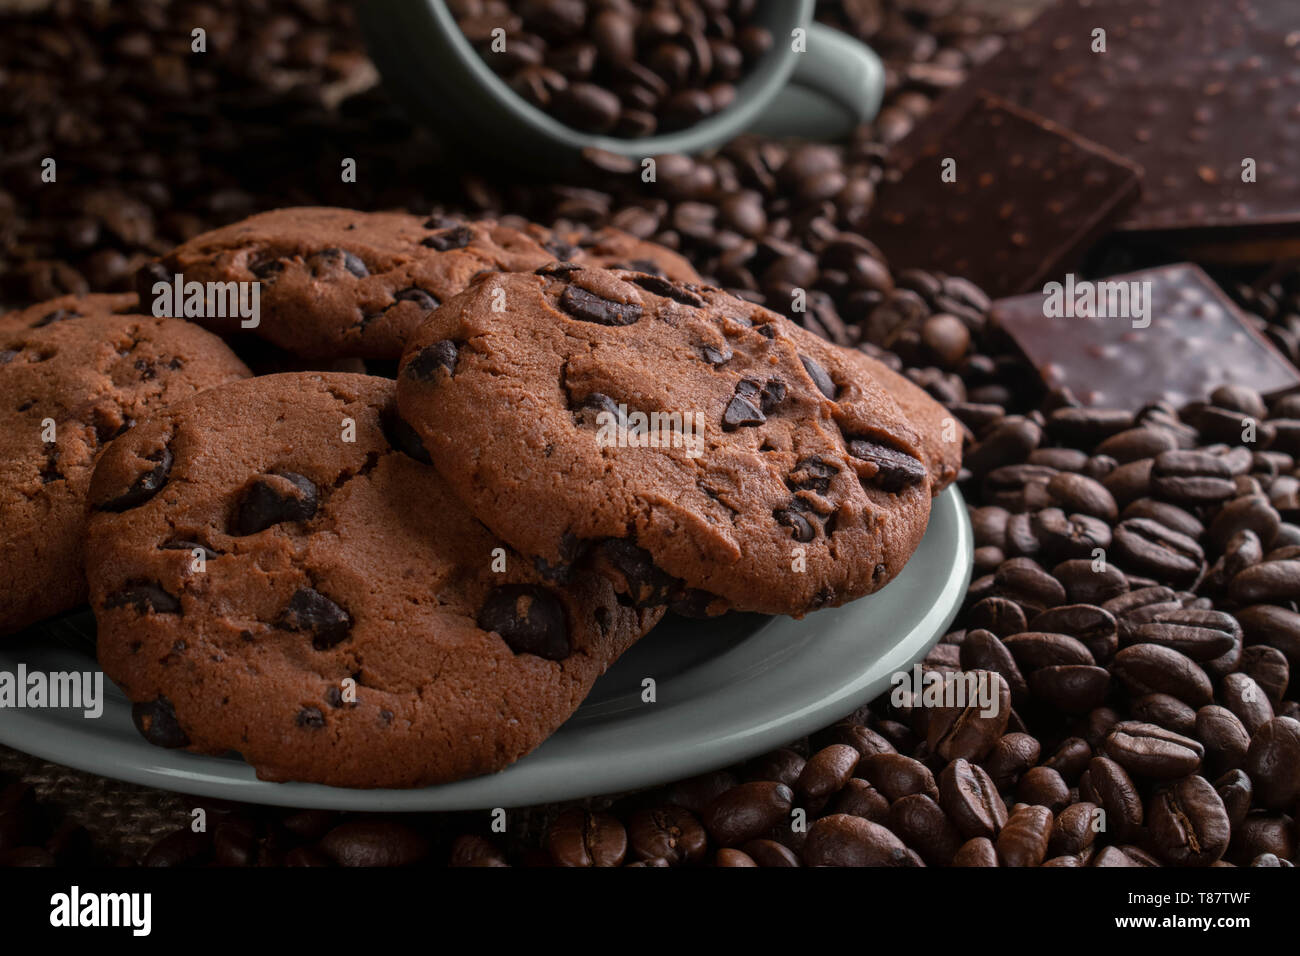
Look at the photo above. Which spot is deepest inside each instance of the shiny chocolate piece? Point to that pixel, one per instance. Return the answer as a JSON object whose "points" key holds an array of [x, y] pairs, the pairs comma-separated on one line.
{"points": [[1027, 200], [1197, 339]]}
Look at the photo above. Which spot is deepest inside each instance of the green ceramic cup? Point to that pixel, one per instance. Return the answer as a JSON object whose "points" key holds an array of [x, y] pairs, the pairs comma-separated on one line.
{"points": [[820, 93]]}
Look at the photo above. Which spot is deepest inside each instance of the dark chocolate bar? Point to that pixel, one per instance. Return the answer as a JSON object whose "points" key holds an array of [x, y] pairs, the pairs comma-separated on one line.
{"points": [[1028, 199], [1176, 337], [1188, 89]]}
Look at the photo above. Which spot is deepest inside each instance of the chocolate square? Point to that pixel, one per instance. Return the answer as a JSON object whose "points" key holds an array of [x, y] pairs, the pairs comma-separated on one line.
{"points": [[1188, 89], [1027, 201], [1197, 339]]}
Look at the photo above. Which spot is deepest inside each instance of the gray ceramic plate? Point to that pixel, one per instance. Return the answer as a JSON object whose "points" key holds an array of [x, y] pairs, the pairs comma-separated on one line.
{"points": [[727, 689]]}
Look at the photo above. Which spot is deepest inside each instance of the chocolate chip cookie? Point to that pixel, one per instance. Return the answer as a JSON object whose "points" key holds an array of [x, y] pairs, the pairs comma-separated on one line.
{"points": [[339, 283], [275, 571], [699, 450], [76, 372]]}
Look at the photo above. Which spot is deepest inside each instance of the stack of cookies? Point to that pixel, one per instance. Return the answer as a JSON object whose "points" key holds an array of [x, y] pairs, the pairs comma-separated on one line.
{"points": [[363, 582]]}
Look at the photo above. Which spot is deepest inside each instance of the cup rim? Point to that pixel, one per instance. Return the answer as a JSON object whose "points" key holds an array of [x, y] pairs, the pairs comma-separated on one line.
{"points": [[766, 79]]}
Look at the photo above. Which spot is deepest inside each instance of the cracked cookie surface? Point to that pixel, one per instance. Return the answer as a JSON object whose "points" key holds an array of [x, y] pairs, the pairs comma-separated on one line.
{"points": [[347, 623], [781, 476], [88, 367], [340, 283]]}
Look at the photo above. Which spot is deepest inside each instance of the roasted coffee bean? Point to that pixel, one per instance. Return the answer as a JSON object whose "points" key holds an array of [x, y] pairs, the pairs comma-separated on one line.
{"points": [[734, 858], [1191, 478], [696, 793], [1011, 756], [374, 843], [1018, 488], [989, 526], [999, 615], [468, 850], [1065, 537], [862, 739], [970, 798], [1093, 627], [1086, 427], [1074, 829], [1033, 650], [842, 840], [860, 799], [1269, 668], [1273, 764], [1262, 832], [1070, 759], [981, 651], [923, 826], [1045, 787], [182, 847], [971, 730], [783, 765], [747, 812], [1153, 669], [1072, 688], [1023, 841], [1010, 442], [1164, 711], [1236, 791], [1188, 823], [1270, 581], [1025, 582], [896, 776], [670, 833], [1247, 513], [1129, 482], [1226, 740], [582, 838], [1023, 539], [1110, 786], [1147, 750], [978, 851], [1072, 492], [1201, 635], [770, 853], [1144, 546], [1274, 626], [1162, 512], [1065, 460], [1084, 584], [1136, 444], [1247, 701], [826, 772]]}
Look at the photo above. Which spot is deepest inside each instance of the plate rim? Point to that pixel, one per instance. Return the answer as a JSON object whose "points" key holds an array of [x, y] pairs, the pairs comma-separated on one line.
{"points": [[35, 733]]}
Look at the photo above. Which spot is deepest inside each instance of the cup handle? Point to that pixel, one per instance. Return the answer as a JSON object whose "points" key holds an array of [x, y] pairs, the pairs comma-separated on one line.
{"points": [[838, 83]]}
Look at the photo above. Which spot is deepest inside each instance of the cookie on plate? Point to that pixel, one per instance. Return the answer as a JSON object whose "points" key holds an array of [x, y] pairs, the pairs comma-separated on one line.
{"points": [[296, 587], [701, 450], [337, 283], [75, 372]]}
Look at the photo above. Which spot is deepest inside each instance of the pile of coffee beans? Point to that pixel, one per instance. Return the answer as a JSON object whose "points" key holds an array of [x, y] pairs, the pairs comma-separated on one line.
{"points": [[629, 68], [31, 833]]}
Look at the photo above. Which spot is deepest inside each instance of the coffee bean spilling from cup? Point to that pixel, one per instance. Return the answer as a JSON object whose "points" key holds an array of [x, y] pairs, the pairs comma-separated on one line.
{"points": [[631, 68]]}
